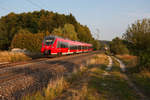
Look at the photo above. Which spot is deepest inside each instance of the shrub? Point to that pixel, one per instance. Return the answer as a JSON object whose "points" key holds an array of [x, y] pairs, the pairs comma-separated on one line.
{"points": [[117, 47], [138, 35], [29, 41], [6, 56]]}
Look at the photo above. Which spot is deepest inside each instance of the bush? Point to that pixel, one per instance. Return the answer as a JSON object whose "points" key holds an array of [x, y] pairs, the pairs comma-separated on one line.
{"points": [[117, 47], [138, 35], [29, 41], [6, 56]]}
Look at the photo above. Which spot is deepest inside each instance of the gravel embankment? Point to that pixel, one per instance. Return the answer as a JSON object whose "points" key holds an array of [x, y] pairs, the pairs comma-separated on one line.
{"points": [[22, 79]]}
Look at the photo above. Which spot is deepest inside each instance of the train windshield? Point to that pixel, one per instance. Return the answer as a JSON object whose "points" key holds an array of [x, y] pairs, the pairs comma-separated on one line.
{"points": [[48, 40]]}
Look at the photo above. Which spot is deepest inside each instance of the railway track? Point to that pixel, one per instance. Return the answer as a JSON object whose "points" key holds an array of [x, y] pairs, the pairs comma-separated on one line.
{"points": [[8, 67], [24, 71], [9, 74], [38, 69], [8, 64]]}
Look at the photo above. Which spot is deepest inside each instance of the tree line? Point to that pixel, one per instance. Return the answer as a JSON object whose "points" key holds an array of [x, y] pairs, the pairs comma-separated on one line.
{"points": [[16, 30], [136, 41]]}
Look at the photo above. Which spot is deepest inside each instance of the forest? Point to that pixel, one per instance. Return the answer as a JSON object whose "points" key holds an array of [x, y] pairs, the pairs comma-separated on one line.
{"points": [[27, 30]]}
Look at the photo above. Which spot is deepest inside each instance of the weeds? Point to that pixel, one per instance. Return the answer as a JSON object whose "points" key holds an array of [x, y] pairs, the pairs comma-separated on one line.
{"points": [[6, 56], [85, 94], [54, 89], [141, 78], [89, 82], [129, 60]]}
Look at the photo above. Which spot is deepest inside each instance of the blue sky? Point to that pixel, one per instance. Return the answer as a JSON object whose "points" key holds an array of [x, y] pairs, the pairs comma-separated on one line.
{"points": [[111, 17]]}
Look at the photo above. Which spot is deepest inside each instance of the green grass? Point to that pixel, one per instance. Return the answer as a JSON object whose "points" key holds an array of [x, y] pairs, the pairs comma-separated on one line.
{"points": [[90, 82], [111, 86], [105, 85], [142, 81], [140, 78]]}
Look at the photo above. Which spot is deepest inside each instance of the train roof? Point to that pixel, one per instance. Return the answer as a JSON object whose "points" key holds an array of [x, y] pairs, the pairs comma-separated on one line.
{"points": [[68, 40]]}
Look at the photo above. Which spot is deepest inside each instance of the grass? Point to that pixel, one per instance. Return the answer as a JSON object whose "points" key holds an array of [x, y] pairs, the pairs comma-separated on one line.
{"points": [[129, 60], [110, 85], [54, 89], [142, 78], [6, 56], [85, 94], [95, 83], [90, 82]]}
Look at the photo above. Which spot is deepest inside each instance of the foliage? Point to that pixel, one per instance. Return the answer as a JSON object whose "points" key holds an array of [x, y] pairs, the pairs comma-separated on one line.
{"points": [[138, 35], [41, 22], [117, 46], [96, 44], [68, 31], [27, 40]]}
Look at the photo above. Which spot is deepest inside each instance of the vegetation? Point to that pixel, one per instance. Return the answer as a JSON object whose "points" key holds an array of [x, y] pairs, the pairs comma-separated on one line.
{"points": [[27, 40], [68, 31], [54, 89], [138, 38], [118, 47], [26, 25], [6, 56], [129, 60], [142, 78]]}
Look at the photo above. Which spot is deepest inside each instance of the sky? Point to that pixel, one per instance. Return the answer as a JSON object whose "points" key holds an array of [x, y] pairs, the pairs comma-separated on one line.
{"points": [[110, 17]]}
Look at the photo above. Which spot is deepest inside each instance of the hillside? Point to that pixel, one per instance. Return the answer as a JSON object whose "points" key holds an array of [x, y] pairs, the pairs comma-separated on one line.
{"points": [[45, 22]]}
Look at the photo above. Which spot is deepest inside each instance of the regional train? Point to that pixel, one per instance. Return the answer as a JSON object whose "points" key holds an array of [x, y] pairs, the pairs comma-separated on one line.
{"points": [[54, 45]]}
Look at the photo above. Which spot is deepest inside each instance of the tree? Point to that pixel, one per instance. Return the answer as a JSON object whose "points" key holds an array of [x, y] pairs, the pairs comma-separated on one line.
{"points": [[84, 34], [117, 46], [96, 44], [42, 22], [138, 35], [27, 40], [57, 31], [69, 32]]}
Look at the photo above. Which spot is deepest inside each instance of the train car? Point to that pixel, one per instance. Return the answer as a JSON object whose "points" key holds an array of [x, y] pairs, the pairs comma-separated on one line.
{"points": [[53, 45]]}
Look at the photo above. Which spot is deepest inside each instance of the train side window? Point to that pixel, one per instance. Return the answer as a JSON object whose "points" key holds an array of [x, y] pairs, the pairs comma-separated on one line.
{"points": [[61, 45], [58, 44], [76, 47], [70, 47], [80, 47], [65, 44]]}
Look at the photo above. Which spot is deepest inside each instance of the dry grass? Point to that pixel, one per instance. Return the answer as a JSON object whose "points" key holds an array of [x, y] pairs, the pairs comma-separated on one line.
{"points": [[85, 94], [98, 59], [129, 60], [89, 82], [54, 89], [6, 56]]}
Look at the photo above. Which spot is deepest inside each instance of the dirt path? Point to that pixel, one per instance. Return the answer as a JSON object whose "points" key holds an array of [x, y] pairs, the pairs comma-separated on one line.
{"points": [[131, 84], [109, 66], [98, 83]]}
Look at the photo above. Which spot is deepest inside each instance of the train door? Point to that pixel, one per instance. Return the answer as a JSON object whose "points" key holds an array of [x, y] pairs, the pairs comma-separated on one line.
{"points": [[64, 47], [58, 47]]}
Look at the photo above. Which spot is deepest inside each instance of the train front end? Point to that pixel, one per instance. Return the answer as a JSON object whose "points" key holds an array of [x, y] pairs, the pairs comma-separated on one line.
{"points": [[47, 45]]}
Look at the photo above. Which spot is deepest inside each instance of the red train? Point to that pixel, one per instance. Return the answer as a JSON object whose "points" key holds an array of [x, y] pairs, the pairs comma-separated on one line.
{"points": [[53, 45]]}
